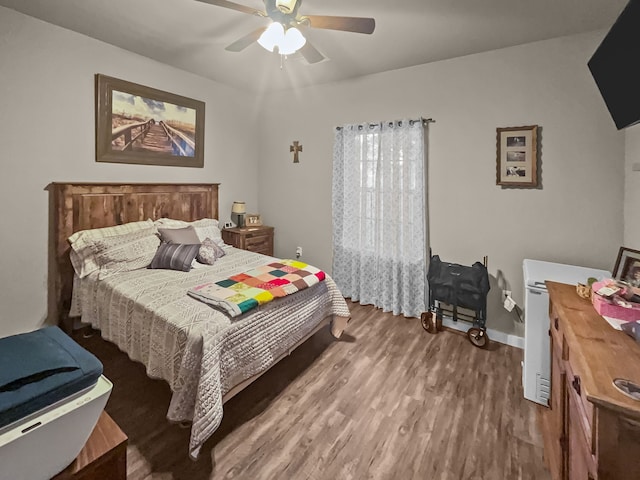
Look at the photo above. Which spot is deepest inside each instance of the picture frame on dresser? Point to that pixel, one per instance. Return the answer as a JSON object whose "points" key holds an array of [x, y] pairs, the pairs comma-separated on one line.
{"points": [[627, 267], [517, 160], [143, 125], [253, 220]]}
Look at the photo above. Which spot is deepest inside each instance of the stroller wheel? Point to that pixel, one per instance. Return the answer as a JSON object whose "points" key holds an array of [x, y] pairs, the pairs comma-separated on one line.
{"points": [[478, 337], [428, 322]]}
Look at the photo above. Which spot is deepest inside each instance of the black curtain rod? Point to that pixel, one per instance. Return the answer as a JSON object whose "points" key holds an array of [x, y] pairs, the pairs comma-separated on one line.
{"points": [[424, 122]]}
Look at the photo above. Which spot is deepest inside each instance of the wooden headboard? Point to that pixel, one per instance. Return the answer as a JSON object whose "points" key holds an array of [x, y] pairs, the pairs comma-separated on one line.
{"points": [[82, 206]]}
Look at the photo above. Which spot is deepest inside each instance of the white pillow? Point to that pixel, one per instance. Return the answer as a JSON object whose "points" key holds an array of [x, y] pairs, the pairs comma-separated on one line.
{"points": [[123, 253], [83, 249], [205, 227]]}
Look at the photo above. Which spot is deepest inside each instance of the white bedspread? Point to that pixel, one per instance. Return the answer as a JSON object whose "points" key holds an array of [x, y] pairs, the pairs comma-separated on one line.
{"points": [[199, 350]]}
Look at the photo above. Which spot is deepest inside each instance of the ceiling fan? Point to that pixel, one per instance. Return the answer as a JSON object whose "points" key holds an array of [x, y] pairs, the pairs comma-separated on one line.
{"points": [[283, 34]]}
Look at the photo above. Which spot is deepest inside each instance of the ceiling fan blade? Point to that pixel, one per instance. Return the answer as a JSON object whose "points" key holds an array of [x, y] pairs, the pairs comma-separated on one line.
{"points": [[245, 41], [347, 24], [310, 54], [234, 6]]}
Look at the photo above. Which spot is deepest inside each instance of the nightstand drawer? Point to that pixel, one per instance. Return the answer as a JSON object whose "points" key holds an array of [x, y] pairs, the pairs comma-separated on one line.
{"points": [[255, 239], [255, 232], [259, 243]]}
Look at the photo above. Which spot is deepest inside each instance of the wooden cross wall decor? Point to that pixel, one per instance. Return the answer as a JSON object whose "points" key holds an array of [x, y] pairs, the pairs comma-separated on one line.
{"points": [[295, 148]]}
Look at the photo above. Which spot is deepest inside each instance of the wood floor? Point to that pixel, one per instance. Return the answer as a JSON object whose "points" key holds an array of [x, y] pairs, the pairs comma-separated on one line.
{"points": [[388, 401]]}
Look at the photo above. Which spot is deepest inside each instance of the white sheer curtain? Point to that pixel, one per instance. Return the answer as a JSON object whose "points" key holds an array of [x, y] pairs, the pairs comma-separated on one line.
{"points": [[379, 215]]}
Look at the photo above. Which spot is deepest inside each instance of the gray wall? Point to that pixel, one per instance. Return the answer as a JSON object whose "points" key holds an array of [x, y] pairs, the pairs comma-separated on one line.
{"points": [[575, 217], [632, 188], [47, 134]]}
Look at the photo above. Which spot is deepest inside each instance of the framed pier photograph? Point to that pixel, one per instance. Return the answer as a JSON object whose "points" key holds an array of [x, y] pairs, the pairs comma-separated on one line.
{"points": [[143, 125]]}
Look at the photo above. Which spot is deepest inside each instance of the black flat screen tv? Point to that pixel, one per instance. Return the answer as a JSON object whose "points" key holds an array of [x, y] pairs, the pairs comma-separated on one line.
{"points": [[615, 67]]}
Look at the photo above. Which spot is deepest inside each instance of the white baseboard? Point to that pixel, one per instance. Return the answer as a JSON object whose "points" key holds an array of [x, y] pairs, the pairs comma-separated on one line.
{"points": [[494, 335]]}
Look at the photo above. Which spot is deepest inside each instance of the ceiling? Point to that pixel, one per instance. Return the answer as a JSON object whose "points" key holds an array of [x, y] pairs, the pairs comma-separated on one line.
{"points": [[192, 36]]}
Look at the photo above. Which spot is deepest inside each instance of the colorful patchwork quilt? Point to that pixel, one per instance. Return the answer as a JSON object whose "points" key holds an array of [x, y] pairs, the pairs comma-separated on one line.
{"points": [[244, 291]]}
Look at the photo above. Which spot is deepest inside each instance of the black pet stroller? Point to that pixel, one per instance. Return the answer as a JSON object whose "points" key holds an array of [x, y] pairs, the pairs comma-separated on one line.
{"points": [[458, 286]]}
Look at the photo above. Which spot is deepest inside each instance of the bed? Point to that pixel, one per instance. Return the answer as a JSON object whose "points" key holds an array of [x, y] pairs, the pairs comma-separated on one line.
{"points": [[204, 355]]}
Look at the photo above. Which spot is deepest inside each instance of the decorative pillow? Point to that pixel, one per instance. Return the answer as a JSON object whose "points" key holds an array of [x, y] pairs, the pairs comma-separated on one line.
{"points": [[205, 227], [175, 256], [122, 253], [179, 235], [209, 252], [83, 248]]}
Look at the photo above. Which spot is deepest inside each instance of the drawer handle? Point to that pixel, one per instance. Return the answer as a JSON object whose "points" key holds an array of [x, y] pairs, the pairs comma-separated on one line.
{"points": [[555, 324], [576, 383]]}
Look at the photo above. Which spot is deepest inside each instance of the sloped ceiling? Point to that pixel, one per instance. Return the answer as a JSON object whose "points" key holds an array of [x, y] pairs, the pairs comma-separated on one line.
{"points": [[192, 36]]}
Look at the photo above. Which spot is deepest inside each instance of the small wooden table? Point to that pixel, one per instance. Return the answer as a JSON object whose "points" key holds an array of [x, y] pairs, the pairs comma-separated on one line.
{"points": [[104, 456]]}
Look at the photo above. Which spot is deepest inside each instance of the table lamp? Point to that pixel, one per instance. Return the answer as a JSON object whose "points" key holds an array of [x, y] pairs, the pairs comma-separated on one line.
{"points": [[239, 208]]}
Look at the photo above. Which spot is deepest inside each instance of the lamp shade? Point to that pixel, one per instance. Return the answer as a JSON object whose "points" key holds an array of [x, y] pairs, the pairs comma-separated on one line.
{"points": [[238, 207], [288, 42], [272, 36], [292, 42]]}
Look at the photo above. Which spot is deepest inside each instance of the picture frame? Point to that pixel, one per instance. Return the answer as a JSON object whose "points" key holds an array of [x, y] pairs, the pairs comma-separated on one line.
{"points": [[253, 220], [517, 163], [627, 267], [142, 125]]}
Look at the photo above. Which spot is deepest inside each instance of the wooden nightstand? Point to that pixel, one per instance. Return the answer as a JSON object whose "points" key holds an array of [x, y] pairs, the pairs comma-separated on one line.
{"points": [[254, 239]]}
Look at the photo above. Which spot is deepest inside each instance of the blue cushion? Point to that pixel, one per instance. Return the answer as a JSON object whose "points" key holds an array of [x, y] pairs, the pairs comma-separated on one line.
{"points": [[39, 368]]}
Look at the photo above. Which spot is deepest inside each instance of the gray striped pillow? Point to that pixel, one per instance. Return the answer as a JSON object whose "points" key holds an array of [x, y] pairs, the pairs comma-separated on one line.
{"points": [[175, 256]]}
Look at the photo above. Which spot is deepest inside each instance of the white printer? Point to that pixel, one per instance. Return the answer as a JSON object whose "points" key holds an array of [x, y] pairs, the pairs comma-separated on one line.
{"points": [[52, 393]]}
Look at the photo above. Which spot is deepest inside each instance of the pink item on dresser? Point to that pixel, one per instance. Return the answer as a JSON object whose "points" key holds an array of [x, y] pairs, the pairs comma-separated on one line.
{"points": [[607, 308]]}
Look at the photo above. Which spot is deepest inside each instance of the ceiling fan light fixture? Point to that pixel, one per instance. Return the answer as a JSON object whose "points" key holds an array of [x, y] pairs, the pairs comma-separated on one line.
{"points": [[286, 6], [288, 42], [272, 36], [292, 42], [281, 33]]}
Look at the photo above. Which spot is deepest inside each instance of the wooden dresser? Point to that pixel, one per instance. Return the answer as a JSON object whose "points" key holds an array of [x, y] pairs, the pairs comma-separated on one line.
{"points": [[255, 239], [591, 430]]}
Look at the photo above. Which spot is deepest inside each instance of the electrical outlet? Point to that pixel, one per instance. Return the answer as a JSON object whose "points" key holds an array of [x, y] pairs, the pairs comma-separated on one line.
{"points": [[298, 252]]}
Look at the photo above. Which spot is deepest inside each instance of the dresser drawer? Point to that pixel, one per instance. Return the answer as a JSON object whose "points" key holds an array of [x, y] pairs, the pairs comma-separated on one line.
{"points": [[584, 408], [581, 461], [556, 329]]}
